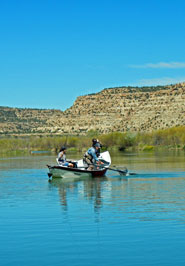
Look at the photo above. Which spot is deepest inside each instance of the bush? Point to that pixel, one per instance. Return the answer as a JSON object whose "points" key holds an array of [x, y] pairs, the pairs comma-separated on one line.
{"points": [[148, 148], [172, 137]]}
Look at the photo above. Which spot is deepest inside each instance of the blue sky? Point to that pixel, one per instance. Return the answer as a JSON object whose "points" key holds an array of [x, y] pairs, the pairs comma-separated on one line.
{"points": [[52, 51]]}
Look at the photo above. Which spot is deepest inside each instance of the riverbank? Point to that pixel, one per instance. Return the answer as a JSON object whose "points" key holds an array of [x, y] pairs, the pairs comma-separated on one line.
{"points": [[172, 138]]}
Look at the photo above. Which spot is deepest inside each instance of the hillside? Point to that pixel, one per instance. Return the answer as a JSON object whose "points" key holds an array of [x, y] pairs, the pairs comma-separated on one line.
{"points": [[113, 109]]}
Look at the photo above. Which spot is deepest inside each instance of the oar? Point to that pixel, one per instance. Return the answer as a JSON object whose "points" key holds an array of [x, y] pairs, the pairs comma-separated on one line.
{"points": [[121, 172]]}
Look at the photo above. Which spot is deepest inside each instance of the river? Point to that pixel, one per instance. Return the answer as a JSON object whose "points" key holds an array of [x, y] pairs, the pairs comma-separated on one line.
{"points": [[116, 220]]}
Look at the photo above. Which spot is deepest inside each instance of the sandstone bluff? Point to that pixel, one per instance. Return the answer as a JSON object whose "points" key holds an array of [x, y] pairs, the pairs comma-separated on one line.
{"points": [[115, 109]]}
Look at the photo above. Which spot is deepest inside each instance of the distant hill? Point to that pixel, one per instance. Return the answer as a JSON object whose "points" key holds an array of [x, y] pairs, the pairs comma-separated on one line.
{"points": [[112, 109], [26, 121]]}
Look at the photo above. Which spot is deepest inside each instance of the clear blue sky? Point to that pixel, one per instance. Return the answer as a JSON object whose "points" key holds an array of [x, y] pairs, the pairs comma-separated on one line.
{"points": [[52, 51]]}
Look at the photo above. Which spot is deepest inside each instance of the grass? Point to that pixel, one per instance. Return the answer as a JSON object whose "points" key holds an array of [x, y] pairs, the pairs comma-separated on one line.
{"points": [[171, 138]]}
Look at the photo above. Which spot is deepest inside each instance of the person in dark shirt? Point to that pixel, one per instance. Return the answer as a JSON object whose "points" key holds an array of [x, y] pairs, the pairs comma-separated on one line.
{"points": [[94, 141]]}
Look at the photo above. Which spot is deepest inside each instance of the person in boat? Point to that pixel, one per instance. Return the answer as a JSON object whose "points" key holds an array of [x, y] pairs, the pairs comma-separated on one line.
{"points": [[62, 158], [90, 157], [94, 141]]}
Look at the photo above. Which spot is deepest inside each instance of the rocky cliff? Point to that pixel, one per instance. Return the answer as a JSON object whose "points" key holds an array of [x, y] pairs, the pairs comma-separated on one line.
{"points": [[114, 109]]}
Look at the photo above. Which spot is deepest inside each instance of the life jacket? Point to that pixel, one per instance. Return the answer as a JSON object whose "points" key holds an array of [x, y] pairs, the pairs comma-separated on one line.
{"points": [[89, 156]]}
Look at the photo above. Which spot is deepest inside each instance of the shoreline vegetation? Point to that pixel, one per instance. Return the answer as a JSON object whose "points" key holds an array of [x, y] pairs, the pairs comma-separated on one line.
{"points": [[172, 138]]}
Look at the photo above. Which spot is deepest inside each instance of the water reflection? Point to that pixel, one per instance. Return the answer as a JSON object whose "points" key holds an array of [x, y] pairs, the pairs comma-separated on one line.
{"points": [[90, 189], [145, 197]]}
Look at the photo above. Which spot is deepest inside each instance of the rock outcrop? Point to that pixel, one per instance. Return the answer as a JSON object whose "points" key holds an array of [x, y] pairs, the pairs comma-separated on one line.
{"points": [[114, 109]]}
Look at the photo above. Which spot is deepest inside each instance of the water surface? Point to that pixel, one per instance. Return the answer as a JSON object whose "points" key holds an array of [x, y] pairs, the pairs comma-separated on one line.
{"points": [[133, 220]]}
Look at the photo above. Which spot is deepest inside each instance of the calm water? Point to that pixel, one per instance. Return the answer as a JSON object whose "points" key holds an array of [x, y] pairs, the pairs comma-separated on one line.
{"points": [[134, 220]]}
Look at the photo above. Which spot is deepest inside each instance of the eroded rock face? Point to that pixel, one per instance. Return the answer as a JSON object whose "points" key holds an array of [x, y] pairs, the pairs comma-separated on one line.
{"points": [[114, 109]]}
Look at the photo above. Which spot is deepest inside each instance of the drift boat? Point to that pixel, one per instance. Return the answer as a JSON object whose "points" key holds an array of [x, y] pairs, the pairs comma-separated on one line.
{"points": [[80, 170]]}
